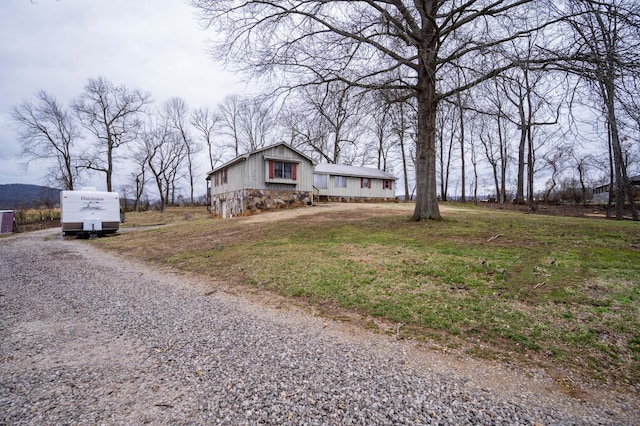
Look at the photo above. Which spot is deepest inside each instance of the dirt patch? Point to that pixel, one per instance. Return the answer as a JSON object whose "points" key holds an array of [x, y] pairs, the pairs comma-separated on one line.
{"points": [[325, 212], [364, 210]]}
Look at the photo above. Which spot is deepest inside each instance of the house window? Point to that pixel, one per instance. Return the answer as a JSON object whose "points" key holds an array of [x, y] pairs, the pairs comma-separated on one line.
{"points": [[320, 181], [339, 181], [282, 170], [220, 177], [365, 183], [387, 184]]}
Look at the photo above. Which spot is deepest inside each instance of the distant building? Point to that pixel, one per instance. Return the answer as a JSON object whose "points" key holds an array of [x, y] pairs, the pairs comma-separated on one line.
{"points": [[601, 193], [277, 176], [333, 182], [7, 221]]}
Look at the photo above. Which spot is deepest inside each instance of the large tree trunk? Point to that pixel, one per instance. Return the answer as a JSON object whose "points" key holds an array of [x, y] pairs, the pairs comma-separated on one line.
{"points": [[109, 170], [426, 195], [623, 185]]}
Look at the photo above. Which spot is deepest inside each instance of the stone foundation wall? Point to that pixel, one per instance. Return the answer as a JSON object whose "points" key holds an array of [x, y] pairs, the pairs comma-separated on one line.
{"points": [[252, 201]]}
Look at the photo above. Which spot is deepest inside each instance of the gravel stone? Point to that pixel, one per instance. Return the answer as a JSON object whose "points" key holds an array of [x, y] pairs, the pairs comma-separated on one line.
{"points": [[87, 337]]}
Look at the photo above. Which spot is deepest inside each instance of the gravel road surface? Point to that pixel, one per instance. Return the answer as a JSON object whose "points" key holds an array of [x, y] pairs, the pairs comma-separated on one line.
{"points": [[87, 337]]}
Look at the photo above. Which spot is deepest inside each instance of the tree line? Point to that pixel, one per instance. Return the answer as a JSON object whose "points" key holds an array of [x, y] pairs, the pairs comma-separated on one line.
{"points": [[468, 93]]}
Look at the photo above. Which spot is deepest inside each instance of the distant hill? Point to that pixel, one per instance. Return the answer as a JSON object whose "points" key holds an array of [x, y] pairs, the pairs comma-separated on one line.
{"points": [[20, 196]]}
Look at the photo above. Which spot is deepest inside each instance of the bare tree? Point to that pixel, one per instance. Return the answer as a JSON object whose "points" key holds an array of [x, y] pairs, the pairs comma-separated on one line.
{"points": [[47, 131], [297, 127], [247, 121], [494, 135], [631, 103], [582, 162], [446, 124], [257, 122], [176, 113], [381, 127], [403, 122], [555, 160], [328, 120], [460, 102], [111, 114], [205, 122], [230, 110], [474, 164], [140, 182], [163, 150], [532, 96], [461, 140], [603, 51], [141, 153], [374, 45]]}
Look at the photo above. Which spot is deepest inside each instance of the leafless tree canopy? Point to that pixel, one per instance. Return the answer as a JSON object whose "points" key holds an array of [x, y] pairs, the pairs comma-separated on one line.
{"points": [[177, 116], [161, 151], [604, 52], [205, 121], [111, 114], [47, 131], [399, 46], [450, 94]]}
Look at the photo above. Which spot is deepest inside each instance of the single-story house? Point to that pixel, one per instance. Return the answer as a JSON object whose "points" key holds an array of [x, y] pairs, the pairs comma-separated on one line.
{"points": [[335, 182], [275, 176], [601, 193]]}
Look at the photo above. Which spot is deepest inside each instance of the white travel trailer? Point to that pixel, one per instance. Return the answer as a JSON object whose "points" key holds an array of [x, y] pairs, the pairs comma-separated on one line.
{"points": [[89, 212]]}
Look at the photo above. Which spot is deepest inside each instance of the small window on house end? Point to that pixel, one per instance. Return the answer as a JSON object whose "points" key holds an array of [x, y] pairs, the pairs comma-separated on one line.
{"points": [[386, 184]]}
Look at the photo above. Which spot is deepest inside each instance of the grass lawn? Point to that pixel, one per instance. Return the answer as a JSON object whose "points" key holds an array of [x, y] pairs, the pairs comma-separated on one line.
{"points": [[558, 291]]}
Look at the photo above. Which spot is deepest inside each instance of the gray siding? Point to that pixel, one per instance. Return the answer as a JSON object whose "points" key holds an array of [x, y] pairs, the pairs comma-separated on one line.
{"points": [[353, 189], [235, 179], [252, 172]]}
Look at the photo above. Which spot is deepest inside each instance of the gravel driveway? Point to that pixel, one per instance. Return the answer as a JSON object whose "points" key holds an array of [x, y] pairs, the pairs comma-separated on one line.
{"points": [[87, 337]]}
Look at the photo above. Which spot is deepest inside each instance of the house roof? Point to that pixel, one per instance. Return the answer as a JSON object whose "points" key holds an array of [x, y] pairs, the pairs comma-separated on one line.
{"points": [[243, 157], [340, 170], [633, 180]]}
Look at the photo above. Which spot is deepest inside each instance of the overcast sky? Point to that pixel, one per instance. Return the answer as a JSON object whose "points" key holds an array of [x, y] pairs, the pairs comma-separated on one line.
{"points": [[57, 45]]}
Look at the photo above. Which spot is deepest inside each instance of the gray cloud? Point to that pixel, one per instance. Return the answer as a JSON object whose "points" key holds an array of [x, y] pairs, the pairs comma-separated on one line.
{"points": [[56, 46]]}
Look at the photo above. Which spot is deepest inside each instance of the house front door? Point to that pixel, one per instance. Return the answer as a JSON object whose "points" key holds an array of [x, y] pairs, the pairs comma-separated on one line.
{"points": [[223, 208]]}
